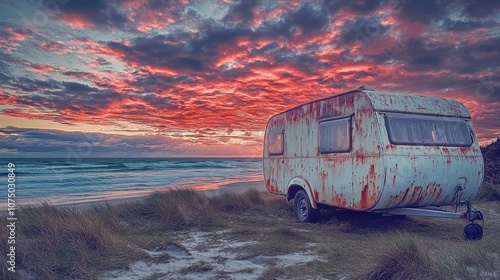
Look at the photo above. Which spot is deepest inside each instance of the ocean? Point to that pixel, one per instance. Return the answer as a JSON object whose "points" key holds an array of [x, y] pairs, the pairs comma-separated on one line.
{"points": [[60, 180]]}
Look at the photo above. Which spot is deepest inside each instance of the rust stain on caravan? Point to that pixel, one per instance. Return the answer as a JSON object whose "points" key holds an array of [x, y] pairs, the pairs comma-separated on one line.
{"points": [[316, 195], [339, 200], [370, 191], [271, 187], [324, 182], [415, 195]]}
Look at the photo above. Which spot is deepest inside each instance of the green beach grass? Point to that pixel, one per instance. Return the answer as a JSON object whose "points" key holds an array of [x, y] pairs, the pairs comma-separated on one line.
{"points": [[72, 243]]}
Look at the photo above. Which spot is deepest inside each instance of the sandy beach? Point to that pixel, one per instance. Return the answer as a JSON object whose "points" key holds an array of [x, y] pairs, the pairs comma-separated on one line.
{"points": [[129, 196]]}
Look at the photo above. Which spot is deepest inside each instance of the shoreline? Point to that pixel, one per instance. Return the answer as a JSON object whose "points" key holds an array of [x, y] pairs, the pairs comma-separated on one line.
{"points": [[121, 197]]}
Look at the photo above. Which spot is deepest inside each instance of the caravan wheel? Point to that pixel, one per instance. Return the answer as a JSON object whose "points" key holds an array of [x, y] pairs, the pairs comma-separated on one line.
{"points": [[303, 209], [473, 231]]}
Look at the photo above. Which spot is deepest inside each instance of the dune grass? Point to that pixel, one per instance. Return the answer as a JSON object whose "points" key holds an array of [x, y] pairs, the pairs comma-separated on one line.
{"points": [[184, 208], [71, 243], [402, 258], [63, 242], [488, 191]]}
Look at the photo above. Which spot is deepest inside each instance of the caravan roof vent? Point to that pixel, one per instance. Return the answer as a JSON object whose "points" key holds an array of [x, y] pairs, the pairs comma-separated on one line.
{"points": [[363, 87]]}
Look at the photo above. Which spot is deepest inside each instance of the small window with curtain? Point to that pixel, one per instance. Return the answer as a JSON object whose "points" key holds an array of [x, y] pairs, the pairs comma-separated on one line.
{"points": [[335, 136], [275, 142]]}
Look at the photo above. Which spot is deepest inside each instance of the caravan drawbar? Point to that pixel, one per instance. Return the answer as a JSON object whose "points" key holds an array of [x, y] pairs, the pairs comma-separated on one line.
{"points": [[382, 152]]}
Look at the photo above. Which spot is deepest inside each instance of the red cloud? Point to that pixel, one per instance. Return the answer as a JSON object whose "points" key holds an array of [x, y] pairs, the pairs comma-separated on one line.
{"points": [[78, 21], [45, 68], [11, 38]]}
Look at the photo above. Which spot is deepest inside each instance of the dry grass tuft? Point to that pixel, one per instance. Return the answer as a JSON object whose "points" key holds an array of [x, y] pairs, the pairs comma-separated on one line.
{"points": [[235, 202], [57, 242], [176, 209], [488, 192], [187, 208], [402, 258]]}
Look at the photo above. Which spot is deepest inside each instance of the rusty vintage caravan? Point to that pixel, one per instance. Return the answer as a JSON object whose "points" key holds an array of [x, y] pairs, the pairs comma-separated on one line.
{"points": [[365, 150]]}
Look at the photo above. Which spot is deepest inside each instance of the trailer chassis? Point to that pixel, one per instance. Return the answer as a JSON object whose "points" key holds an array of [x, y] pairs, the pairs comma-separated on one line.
{"points": [[473, 231]]}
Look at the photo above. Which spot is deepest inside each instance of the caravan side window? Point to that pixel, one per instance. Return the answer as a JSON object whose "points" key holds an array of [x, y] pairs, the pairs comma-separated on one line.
{"points": [[275, 142], [412, 129], [335, 136]]}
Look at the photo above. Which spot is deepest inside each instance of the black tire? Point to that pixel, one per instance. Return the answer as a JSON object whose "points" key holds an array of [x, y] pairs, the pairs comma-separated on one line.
{"points": [[303, 210], [473, 232]]}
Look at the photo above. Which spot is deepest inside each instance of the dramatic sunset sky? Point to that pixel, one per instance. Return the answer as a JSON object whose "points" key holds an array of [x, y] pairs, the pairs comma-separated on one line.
{"points": [[181, 78]]}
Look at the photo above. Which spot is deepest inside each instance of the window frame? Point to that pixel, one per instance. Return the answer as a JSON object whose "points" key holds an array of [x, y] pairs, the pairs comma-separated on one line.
{"points": [[330, 120], [271, 134], [422, 117]]}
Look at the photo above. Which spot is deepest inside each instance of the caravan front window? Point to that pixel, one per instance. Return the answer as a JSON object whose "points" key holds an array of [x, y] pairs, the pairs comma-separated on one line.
{"points": [[276, 142], [412, 129]]}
